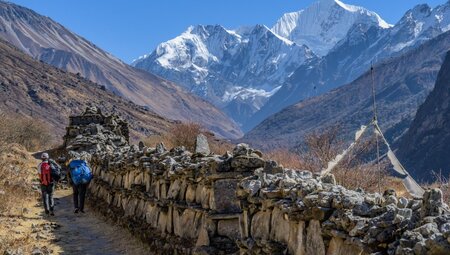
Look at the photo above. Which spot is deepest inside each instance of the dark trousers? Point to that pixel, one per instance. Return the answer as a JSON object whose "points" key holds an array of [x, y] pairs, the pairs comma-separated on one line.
{"points": [[79, 194], [47, 197]]}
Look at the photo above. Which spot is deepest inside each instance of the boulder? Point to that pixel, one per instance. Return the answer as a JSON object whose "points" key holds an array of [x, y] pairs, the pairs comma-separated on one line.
{"points": [[432, 203], [260, 225], [229, 228], [279, 230], [201, 145], [314, 240], [245, 163], [224, 196], [160, 148], [337, 246]]}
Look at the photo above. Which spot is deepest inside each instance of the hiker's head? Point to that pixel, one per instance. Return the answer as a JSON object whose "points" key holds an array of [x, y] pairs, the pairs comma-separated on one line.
{"points": [[44, 156]]}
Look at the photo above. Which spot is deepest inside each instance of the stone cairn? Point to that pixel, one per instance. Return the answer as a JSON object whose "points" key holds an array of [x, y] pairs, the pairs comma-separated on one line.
{"points": [[182, 202]]}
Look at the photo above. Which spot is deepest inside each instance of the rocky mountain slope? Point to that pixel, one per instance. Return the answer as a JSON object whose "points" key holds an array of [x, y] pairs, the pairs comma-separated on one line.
{"points": [[46, 40], [352, 56], [35, 89], [426, 145], [402, 84], [239, 70]]}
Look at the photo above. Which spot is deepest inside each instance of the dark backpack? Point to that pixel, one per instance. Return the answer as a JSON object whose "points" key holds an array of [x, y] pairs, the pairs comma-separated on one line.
{"points": [[55, 171], [80, 172]]}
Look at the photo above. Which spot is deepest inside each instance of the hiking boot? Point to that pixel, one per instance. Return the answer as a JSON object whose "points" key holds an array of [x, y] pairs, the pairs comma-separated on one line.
{"points": [[76, 210], [47, 212], [52, 213]]}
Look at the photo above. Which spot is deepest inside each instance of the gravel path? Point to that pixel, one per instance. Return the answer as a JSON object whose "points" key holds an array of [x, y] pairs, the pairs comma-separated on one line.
{"points": [[89, 233]]}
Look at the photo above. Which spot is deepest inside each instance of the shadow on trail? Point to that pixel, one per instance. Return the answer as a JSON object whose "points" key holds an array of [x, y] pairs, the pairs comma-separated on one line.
{"points": [[89, 233]]}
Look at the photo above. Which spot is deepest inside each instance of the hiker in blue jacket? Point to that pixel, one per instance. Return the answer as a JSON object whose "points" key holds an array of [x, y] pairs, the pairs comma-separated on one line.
{"points": [[79, 176]]}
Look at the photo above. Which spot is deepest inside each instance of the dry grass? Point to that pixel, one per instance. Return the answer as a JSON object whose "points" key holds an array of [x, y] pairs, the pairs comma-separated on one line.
{"points": [[367, 177], [17, 171], [16, 174], [31, 133], [352, 172], [185, 134], [13, 243], [442, 182], [286, 158], [16, 191], [181, 134], [17, 135]]}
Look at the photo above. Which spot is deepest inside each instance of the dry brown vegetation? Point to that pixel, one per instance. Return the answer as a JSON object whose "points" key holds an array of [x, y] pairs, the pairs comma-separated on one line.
{"points": [[442, 182], [16, 193], [17, 171], [185, 134], [15, 182], [31, 133], [352, 172], [18, 135]]}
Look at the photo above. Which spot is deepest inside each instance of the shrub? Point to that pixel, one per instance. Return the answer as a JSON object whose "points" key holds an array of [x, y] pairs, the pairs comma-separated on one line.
{"points": [[185, 134], [31, 133], [286, 158], [351, 172], [15, 182], [319, 149], [17, 171]]}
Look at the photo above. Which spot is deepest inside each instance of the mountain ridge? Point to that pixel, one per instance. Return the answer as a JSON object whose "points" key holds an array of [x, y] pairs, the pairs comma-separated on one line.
{"points": [[402, 84], [49, 41], [40, 91], [424, 148], [230, 68], [363, 46], [247, 77]]}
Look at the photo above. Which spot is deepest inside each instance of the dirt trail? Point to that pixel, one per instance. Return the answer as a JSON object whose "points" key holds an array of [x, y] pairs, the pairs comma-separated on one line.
{"points": [[66, 232], [26, 230], [89, 233]]}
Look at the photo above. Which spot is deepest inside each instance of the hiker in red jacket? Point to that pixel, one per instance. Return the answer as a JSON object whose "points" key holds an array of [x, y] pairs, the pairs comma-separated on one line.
{"points": [[48, 178]]}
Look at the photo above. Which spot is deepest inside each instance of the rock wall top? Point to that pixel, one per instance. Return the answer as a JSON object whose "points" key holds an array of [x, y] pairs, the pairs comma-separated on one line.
{"points": [[183, 202], [92, 131]]}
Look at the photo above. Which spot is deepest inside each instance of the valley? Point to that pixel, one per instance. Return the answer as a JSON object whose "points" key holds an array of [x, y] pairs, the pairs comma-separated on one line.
{"points": [[322, 128]]}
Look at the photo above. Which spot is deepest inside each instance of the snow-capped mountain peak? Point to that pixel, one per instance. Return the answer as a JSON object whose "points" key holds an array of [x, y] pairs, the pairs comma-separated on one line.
{"points": [[194, 48], [234, 69], [418, 25], [325, 22], [240, 69]]}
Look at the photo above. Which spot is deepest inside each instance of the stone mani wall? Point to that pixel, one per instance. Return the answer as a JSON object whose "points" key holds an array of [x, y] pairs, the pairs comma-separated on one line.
{"points": [[306, 214], [173, 194], [197, 203]]}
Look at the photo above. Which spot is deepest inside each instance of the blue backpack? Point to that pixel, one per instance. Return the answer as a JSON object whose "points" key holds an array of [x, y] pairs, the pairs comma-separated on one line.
{"points": [[80, 172]]}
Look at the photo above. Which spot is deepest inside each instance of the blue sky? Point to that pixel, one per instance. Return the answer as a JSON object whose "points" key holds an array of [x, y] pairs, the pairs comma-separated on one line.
{"points": [[130, 28]]}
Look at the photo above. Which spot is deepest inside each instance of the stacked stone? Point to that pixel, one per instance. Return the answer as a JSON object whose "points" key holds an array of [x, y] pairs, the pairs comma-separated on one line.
{"points": [[187, 198], [92, 132], [176, 200], [183, 202], [296, 212]]}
